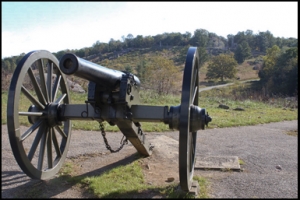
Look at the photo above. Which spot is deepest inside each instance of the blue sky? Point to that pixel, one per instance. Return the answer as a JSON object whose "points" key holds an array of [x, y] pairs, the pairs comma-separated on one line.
{"points": [[56, 26]]}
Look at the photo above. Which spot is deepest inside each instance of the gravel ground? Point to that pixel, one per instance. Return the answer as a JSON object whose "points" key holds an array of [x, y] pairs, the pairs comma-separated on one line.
{"points": [[261, 147]]}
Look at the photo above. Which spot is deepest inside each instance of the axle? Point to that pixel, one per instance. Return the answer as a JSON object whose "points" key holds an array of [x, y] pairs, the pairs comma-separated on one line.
{"points": [[137, 113]]}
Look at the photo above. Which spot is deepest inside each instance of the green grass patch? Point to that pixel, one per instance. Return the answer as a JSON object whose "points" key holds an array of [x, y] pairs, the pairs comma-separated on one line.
{"points": [[241, 162], [125, 181], [118, 182]]}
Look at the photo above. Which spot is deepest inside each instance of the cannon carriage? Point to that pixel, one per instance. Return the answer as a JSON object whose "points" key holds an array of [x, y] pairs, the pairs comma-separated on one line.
{"points": [[113, 96]]}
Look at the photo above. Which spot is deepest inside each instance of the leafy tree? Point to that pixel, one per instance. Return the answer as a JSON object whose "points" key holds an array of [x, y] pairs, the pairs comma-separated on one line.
{"points": [[290, 42], [224, 41], [186, 38], [60, 54], [278, 42], [242, 52], [240, 37], [158, 39], [269, 61], [200, 38], [141, 70], [80, 53], [138, 41], [222, 66], [6, 64], [99, 47], [148, 41], [177, 39], [86, 52], [261, 42], [230, 39], [129, 40], [286, 72], [162, 74], [250, 37], [203, 56], [279, 73], [270, 39], [129, 69]]}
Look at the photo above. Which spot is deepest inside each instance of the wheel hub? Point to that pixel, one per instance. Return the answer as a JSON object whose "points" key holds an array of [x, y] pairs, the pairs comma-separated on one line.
{"points": [[51, 116], [198, 118]]}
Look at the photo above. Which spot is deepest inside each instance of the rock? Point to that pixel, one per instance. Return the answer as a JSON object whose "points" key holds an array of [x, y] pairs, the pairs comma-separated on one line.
{"points": [[278, 167], [148, 166], [239, 109], [171, 179], [75, 87], [223, 106]]}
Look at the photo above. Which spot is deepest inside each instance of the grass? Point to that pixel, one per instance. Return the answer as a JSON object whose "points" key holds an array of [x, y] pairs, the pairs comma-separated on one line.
{"points": [[241, 162], [126, 181], [120, 181]]}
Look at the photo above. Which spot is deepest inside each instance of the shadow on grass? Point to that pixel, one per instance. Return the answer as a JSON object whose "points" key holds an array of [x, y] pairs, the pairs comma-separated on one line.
{"points": [[52, 187], [58, 185]]}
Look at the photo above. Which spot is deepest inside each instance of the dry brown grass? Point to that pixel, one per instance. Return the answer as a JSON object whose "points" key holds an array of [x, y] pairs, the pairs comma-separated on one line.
{"points": [[246, 72]]}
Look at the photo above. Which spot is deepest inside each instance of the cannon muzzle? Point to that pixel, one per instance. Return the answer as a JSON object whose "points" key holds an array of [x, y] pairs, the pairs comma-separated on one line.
{"points": [[108, 78]]}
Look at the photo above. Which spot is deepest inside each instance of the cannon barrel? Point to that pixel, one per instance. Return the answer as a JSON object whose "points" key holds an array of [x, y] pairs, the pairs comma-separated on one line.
{"points": [[109, 78]]}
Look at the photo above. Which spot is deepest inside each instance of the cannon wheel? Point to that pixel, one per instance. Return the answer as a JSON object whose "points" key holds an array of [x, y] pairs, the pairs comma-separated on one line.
{"points": [[33, 101], [187, 139]]}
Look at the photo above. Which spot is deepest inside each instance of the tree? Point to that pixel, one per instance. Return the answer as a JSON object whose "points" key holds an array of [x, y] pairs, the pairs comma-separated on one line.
{"points": [[129, 40], [230, 39], [186, 37], [128, 68], [240, 37], [141, 69], [279, 73], [242, 52], [162, 74], [261, 41], [269, 61], [222, 66], [200, 38], [203, 56]]}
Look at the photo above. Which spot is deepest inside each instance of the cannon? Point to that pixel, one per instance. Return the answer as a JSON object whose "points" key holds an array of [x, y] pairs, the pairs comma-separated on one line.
{"points": [[39, 82]]}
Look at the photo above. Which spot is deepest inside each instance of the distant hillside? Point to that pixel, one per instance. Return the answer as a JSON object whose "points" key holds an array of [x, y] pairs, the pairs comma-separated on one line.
{"points": [[130, 59]]}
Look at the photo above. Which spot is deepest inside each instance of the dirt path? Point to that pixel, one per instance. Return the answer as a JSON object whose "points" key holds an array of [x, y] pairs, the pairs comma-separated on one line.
{"points": [[261, 147]]}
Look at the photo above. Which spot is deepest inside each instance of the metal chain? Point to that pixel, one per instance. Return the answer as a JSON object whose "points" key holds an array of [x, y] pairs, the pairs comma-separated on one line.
{"points": [[106, 142]]}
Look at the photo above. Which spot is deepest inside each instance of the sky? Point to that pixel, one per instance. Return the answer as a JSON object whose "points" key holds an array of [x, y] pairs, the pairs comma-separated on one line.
{"points": [[56, 26]]}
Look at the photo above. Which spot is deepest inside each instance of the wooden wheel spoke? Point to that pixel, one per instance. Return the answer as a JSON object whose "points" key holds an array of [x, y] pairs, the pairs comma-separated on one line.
{"points": [[32, 98], [58, 101], [31, 129], [36, 86], [49, 80], [42, 151], [56, 146], [194, 94], [49, 148], [55, 87], [61, 132], [40, 65], [36, 141]]}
